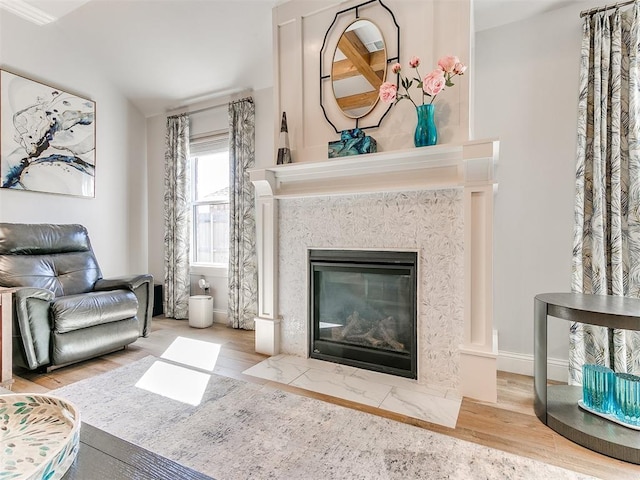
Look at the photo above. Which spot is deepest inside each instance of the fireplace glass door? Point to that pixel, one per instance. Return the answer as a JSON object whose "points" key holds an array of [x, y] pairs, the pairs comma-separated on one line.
{"points": [[363, 309]]}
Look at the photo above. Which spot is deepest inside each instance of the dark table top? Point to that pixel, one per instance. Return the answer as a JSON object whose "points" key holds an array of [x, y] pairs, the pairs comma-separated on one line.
{"points": [[103, 456], [605, 310]]}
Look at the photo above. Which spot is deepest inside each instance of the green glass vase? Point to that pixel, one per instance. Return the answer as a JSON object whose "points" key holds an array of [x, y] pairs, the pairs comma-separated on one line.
{"points": [[426, 132]]}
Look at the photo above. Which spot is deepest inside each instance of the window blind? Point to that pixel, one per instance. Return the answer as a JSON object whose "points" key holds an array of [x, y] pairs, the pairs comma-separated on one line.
{"points": [[211, 143]]}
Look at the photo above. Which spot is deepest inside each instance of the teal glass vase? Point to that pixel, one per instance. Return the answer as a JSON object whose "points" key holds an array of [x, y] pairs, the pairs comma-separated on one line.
{"points": [[627, 398], [598, 384], [426, 131]]}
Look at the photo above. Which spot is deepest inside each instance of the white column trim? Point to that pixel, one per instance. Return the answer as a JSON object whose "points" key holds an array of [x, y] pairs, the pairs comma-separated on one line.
{"points": [[267, 325]]}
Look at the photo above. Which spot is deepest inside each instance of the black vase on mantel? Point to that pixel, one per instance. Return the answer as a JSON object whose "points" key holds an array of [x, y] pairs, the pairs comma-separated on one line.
{"points": [[284, 153]]}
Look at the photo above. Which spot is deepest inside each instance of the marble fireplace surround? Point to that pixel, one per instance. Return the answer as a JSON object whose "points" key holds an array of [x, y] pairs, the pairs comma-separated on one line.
{"points": [[442, 197]]}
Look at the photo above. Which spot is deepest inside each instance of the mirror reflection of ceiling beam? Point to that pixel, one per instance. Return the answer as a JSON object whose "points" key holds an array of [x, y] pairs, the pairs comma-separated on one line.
{"points": [[345, 68], [357, 101], [352, 48]]}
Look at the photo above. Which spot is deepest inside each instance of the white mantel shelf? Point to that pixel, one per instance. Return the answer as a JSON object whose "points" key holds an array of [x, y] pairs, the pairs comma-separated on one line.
{"points": [[439, 166], [469, 166]]}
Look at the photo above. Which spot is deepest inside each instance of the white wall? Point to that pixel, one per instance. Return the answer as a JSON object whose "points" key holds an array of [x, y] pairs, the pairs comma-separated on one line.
{"points": [[266, 146], [156, 128], [116, 217], [206, 121], [527, 94]]}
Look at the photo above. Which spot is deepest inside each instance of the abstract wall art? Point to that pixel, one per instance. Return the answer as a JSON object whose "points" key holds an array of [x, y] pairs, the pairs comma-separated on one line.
{"points": [[47, 141]]}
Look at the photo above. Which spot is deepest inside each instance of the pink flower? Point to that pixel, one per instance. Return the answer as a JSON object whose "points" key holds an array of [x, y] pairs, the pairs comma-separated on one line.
{"points": [[459, 68], [448, 63], [434, 82], [431, 85], [388, 92]]}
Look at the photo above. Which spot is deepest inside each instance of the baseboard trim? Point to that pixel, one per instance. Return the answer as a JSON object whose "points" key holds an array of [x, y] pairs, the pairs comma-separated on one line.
{"points": [[557, 369], [220, 316]]}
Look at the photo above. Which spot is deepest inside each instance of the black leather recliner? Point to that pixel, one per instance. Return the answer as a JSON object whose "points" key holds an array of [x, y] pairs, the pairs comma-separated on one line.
{"points": [[64, 311]]}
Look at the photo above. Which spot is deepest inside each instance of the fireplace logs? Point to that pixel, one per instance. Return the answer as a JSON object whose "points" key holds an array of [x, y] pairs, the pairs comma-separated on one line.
{"points": [[375, 333]]}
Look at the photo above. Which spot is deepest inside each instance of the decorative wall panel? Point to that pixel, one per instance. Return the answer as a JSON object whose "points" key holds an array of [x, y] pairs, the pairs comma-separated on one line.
{"points": [[429, 29]]}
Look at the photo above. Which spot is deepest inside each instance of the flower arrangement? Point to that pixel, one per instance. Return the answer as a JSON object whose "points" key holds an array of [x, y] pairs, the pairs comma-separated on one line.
{"points": [[430, 85]]}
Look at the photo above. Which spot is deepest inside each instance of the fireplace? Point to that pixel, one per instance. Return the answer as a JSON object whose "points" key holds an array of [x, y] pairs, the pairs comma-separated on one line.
{"points": [[437, 201], [363, 309]]}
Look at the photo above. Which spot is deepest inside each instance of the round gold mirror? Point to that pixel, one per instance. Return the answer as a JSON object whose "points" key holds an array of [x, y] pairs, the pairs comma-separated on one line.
{"points": [[359, 68]]}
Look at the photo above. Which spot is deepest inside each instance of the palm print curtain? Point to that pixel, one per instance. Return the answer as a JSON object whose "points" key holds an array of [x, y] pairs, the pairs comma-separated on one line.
{"points": [[177, 218], [243, 269], [606, 251]]}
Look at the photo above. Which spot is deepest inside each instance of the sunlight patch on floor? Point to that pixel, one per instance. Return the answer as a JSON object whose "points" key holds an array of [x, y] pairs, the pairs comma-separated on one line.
{"points": [[194, 353], [174, 382]]}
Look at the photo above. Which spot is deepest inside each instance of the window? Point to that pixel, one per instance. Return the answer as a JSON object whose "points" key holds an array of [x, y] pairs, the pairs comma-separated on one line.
{"points": [[210, 200]]}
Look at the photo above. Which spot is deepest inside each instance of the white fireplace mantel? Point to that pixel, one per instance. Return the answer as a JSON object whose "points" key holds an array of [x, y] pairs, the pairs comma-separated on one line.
{"points": [[440, 166], [469, 166]]}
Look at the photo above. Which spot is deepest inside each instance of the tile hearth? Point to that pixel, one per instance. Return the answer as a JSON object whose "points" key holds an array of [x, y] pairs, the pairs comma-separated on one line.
{"points": [[387, 392]]}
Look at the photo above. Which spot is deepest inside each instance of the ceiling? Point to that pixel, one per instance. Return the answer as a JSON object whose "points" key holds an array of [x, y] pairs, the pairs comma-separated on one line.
{"points": [[165, 53]]}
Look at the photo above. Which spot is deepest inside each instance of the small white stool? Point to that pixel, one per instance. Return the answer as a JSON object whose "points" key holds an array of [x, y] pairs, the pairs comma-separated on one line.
{"points": [[201, 311]]}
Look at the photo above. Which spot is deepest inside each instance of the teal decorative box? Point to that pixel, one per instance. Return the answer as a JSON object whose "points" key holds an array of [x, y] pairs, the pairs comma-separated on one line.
{"points": [[352, 142]]}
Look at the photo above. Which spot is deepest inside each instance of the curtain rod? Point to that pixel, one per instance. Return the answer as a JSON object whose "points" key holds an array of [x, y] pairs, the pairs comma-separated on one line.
{"points": [[213, 102], [604, 8]]}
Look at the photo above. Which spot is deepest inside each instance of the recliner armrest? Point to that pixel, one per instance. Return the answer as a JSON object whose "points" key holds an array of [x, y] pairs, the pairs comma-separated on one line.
{"points": [[130, 282], [142, 287], [32, 322]]}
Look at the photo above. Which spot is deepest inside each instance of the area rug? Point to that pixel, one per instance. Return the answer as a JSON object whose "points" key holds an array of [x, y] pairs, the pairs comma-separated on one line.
{"points": [[241, 430]]}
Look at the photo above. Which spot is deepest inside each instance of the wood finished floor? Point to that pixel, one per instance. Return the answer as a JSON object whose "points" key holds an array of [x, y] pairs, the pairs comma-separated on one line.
{"points": [[510, 425]]}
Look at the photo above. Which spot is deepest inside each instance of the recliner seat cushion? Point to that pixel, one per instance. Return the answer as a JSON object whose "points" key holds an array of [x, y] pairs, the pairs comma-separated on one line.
{"points": [[74, 312], [88, 342]]}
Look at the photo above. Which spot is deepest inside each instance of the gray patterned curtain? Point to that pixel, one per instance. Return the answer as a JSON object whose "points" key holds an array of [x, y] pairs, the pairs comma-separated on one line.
{"points": [[606, 250], [243, 264], [177, 218]]}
